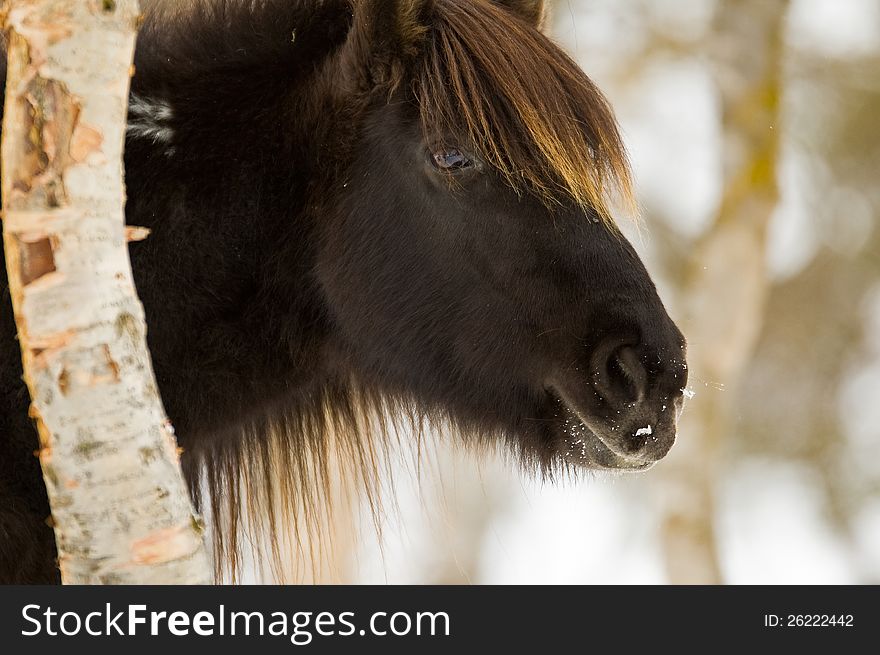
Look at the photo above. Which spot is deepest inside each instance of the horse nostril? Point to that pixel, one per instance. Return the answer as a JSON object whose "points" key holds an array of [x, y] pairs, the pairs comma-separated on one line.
{"points": [[620, 376], [627, 364], [632, 401]]}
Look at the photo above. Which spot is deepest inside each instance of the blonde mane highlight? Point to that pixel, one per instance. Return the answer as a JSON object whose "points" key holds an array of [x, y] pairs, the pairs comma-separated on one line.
{"points": [[524, 105]]}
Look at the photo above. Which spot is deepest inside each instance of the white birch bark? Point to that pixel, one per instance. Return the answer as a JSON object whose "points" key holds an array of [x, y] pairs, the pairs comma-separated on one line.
{"points": [[120, 506]]}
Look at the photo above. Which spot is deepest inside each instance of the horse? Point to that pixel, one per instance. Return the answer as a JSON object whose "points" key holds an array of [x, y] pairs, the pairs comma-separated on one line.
{"points": [[363, 209]]}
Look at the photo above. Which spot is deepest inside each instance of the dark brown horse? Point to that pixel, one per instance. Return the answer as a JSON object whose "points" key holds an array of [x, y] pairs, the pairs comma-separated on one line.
{"points": [[392, 208]]}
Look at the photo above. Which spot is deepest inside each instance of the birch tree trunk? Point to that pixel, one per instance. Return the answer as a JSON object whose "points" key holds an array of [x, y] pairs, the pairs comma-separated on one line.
{"points": [[726, 288], [119, 502]]}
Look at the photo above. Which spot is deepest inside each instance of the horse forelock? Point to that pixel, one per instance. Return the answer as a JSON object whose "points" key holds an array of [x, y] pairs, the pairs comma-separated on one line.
{"points": [[523, 105]]}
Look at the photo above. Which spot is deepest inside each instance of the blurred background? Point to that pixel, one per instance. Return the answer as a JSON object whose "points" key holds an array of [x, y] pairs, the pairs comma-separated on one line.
{"points": [[754, 130]]}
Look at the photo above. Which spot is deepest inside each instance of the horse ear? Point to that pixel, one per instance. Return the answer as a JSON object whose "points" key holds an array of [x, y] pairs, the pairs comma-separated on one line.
{"points": [[384, 36], [531, 11]]}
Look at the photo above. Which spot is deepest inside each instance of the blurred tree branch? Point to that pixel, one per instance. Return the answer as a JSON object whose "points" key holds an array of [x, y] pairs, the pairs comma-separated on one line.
{"points": [[724, 288]]}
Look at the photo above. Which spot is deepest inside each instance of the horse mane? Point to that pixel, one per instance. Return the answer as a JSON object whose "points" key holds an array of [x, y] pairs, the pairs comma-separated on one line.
{"points": [[279, 482], [524, 105], [272, 490]]}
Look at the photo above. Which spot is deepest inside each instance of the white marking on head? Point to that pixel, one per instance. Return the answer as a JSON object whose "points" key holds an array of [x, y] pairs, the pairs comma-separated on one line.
{"points": [[148, 119]]}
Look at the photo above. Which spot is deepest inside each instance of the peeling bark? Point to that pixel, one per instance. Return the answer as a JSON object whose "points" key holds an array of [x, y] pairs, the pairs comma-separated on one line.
{"points": [[120, 506]]}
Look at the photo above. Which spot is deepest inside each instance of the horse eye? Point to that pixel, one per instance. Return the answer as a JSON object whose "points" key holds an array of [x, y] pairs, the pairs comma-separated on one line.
{"points": [[450, 160]]}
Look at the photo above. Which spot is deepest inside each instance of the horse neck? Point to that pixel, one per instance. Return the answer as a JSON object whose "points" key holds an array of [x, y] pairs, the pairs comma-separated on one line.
{"points": [[220, 160]]}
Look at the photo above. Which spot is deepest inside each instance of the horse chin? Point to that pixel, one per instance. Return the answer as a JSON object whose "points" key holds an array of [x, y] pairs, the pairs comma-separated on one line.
{"points": [[575, 444]]}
